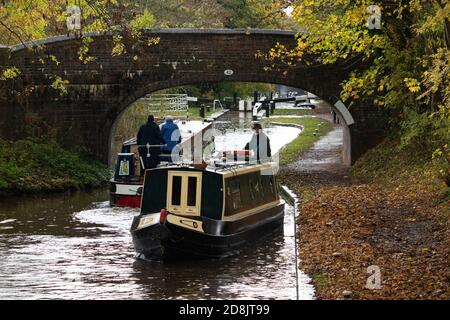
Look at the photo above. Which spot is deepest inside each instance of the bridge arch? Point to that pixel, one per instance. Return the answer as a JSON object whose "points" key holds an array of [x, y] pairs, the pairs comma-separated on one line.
{"points": [[99, 91]]}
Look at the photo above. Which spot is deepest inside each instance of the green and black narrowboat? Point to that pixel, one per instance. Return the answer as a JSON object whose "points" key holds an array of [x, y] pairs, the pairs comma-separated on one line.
{"points": [[187, 212]]}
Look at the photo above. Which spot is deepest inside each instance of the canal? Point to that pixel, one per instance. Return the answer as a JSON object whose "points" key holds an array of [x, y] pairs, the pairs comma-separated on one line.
{"points": [[75, 246]]}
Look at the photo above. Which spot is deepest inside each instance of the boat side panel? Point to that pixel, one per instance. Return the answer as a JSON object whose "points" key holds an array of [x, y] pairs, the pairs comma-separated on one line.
{"points": [[155, 191], [245, 192], [212, 195]]}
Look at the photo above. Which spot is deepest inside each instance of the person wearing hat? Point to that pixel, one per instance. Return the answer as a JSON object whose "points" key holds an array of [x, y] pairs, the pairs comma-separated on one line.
{"points": [[172, 136], [260, 144], [149, 133]]}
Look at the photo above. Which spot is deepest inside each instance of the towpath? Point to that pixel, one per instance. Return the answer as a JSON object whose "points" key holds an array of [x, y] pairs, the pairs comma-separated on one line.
{"points": [[359, 240]]}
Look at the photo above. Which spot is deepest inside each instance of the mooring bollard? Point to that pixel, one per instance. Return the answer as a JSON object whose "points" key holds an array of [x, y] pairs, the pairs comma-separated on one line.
{"points": [[202, 111]]}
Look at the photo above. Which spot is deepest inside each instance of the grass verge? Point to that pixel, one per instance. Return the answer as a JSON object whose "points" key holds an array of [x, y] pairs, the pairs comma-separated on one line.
{"points": [[38, 165], [394, 167], [296, 112]]}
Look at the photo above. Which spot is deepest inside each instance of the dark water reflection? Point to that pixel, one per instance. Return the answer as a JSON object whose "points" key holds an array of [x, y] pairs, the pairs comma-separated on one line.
{"points": [[77, 247]]}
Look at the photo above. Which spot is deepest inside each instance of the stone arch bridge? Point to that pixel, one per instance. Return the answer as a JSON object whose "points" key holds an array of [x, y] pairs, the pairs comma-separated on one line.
{"points": [[100, 90]]}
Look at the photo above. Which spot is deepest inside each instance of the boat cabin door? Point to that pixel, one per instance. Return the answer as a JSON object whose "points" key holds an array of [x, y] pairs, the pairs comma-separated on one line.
{"points": [[184, 192]]}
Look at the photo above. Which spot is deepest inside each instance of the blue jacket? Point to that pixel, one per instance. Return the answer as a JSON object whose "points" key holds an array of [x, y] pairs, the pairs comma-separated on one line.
{"points": [[171, 134]]}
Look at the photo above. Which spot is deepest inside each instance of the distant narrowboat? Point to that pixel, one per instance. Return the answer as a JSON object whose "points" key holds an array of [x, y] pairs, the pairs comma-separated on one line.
{"points": [[210, 212], [126, 185], [125, 188]]}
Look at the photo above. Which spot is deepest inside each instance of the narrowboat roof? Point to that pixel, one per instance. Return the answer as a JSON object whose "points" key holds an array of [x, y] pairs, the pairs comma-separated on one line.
{"points": [[226, 170]]}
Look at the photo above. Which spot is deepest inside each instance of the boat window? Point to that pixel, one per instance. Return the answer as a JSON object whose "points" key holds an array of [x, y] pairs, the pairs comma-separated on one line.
{"points": [[192, 191], [236, 195], [247, 192], [251, 188], [176, 190], [269, 195], [273, 186], [253, 194], [257, 184], [184, 192], [258, 189]]}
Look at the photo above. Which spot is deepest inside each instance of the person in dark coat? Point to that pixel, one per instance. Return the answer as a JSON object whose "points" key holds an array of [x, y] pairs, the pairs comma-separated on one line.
{"points": [[150, 134], [260, 144], [172, 136]]}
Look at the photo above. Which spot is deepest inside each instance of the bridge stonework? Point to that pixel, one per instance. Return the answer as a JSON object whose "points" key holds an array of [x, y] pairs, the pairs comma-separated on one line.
{"points": [[100, 90]]}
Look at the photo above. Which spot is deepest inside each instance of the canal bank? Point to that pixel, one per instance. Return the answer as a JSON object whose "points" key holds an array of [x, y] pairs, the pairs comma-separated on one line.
{"points": [[33, 165], [360, 238]]}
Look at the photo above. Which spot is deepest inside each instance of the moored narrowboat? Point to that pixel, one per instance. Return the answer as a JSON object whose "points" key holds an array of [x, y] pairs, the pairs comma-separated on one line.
{"points": [[212, 212], [125, 188]]}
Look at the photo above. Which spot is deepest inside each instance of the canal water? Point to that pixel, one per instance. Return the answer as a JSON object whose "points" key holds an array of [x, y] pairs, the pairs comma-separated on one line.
{"points": [[74, 246]]}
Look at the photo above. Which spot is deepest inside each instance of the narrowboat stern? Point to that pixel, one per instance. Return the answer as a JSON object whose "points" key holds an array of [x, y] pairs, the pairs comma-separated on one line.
{"points": [[206, 213]]}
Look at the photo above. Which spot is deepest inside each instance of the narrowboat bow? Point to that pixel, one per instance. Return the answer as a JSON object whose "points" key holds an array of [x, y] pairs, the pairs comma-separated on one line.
{"points": [[188, 212]]}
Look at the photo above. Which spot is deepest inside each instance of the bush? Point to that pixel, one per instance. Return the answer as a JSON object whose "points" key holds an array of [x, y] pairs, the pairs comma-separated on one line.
{"points": [[43, 165]]}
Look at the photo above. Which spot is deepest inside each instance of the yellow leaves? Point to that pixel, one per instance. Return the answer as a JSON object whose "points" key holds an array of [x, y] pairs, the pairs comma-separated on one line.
{"points": [[281, 54], [142, 21], [415, 5], [60, 85], [9, 73], [3, 11], [437, 153], [272, 54], [153, 41], [307, 11], [24, 19], [335, 30], [54, 59], [378, 41], [365, 84], [436, 76], [412, 84], [118, 48], [333, 18], [350, 90], [84, 50]]}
